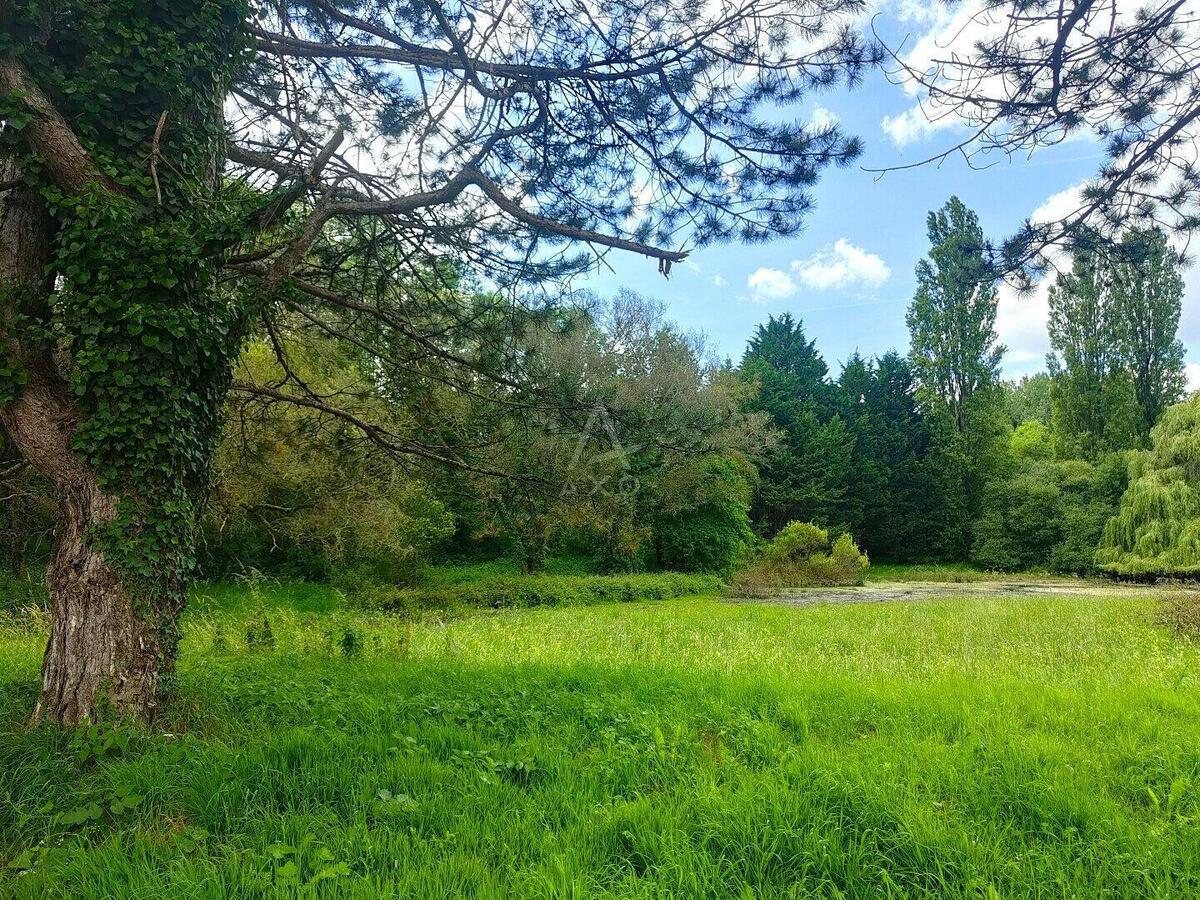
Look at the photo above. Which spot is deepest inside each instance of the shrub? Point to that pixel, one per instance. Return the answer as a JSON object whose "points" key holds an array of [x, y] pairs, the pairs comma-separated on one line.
{"points": [[711, 530], [797, 541], [801, 555], [1182, 615]]}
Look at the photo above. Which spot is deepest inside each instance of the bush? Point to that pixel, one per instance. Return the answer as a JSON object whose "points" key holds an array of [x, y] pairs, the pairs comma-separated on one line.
{"points": [[712, 531], [801, 555], [515, 591], [797, 541]]}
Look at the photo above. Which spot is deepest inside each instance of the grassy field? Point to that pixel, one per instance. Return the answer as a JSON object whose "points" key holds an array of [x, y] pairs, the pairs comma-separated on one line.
{"points": [[1042, 746]]}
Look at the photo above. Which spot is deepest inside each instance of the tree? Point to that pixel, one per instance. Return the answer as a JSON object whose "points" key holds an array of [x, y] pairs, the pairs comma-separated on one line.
{"points": [[298, 491], [956, 357], [1113, 323], [1090, 393], [1149, 292], [1028, 75], [807, 472], [1156, 531], [899, 482], [1042, 513], [704, 523], [176, 175], [951, 321], [1028, 399], [642, 429]]}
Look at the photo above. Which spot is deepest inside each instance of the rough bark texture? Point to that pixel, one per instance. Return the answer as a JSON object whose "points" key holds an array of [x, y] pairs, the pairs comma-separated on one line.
{"points": [[102, 656]]}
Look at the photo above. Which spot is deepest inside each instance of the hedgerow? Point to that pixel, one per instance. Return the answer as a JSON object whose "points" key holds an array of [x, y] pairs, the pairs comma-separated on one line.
{"points": [[506, 592]]}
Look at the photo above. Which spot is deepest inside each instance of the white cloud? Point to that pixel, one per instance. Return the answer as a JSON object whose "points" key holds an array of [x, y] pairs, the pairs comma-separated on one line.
{"points": [[1058, 206], [718, 281], [1021, 327], [951, 31], [770, 284], [841, 266], [913, 126], [1192, 371], [823, 118]]}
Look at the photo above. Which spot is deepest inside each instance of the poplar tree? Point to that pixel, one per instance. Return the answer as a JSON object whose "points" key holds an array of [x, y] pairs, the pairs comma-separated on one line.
{"points": [[951, 321]]}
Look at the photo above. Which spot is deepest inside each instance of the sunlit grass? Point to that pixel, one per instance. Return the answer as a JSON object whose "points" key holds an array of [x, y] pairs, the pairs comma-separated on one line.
{"points": [[967, 747]]}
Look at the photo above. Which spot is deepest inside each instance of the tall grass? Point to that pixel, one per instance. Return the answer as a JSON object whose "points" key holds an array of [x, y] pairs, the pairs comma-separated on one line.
{"points": [[1041, 746]]}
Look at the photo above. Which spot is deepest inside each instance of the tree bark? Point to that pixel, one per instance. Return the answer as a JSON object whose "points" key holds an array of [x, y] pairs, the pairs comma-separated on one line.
{"points": [[104, 653]]}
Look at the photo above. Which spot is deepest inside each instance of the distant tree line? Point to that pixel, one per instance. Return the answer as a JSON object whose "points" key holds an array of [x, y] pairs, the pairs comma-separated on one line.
{"points": [[934, 456], [625, 442]]}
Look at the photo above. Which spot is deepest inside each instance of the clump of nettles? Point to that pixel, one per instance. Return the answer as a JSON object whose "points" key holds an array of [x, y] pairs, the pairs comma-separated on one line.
{"points": [[1182, 615], [259, 635]]}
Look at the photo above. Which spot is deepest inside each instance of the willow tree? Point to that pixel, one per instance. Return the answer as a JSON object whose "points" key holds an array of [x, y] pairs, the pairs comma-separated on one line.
{"points": [[1156, 531], [176, 175]]}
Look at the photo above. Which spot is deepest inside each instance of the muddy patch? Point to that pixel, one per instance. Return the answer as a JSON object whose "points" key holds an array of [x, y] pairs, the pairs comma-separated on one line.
{"points": [[886, 592]]}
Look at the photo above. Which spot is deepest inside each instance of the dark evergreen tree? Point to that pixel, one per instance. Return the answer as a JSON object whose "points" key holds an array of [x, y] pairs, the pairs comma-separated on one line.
{"points": [[899, 482], [806, 474]]}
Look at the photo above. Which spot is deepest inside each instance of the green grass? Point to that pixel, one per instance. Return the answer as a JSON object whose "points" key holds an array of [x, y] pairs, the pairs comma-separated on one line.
{"points": [[940, 572], [953, 573], [1041, 746]]}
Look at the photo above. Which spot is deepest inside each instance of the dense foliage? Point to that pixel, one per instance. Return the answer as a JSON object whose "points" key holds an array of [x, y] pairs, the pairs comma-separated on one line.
{"points": [[298, 493], [1045, 513], [1156, 532], [1117, 363]]}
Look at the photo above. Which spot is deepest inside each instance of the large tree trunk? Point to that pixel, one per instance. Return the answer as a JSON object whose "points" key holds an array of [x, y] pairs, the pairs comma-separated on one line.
{"points": [[104, 654]]}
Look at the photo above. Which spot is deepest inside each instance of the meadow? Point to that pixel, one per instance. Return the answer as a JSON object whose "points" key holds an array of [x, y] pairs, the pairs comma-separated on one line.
{"points": [[964, 747]]}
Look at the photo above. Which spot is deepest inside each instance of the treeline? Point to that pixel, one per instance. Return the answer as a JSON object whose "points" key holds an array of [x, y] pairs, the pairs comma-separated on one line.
{"points": [[602, 432], [934, 456]]}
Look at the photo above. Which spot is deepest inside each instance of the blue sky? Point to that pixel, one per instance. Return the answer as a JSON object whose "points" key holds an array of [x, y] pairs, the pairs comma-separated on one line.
{"points": [[849, 274]]}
